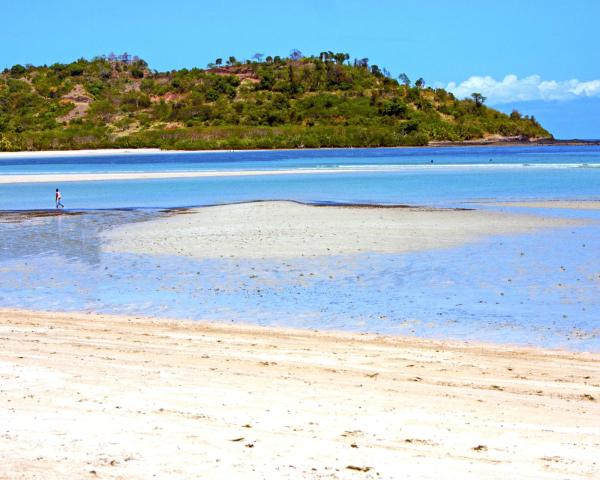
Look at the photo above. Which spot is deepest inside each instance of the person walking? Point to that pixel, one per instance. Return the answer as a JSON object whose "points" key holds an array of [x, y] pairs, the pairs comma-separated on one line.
{"points": [[57, 198]]}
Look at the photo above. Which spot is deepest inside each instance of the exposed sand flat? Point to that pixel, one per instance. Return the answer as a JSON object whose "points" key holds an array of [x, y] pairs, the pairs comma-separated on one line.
{"points": [[97, 177], [80, 153], [95, 152], [570, 204], [287, 229], [88, 396]]}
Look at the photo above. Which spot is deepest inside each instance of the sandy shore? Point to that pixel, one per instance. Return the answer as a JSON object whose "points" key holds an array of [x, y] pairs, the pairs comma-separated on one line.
{"points": [[100, 152], [89, 396], [153, 151], [568, 204], [287, 229], [157, 151], [146, 151], [98, 177], [502, 141]]}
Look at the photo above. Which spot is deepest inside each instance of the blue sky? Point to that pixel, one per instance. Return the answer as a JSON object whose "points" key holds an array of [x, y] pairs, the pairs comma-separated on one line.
{"points": [[538, 54]]}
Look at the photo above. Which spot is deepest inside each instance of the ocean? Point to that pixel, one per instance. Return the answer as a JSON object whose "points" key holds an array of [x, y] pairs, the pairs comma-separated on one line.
{"points": [[540, 289], [434, 176]]}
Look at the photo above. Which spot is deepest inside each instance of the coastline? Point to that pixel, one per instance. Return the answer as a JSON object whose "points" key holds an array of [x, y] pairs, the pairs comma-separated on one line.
{"points": [[123, 397], [561, 204], [80, 153], [155, 151], [95, 177], [100, 177]]}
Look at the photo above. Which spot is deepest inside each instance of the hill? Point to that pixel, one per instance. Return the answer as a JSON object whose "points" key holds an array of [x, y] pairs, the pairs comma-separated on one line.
{"points": [[272, 102]]}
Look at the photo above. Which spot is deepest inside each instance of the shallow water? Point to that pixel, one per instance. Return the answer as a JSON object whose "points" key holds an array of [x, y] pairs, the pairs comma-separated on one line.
{"points": [[537, 289], [457, 175], [552, 156]]}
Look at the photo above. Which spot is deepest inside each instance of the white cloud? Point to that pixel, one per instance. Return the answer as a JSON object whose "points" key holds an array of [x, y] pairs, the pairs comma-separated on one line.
{"points": [[514, 89]]}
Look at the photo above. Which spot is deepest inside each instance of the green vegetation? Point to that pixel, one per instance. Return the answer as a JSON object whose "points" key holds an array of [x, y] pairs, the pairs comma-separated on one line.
{"points": [[267, 102]]}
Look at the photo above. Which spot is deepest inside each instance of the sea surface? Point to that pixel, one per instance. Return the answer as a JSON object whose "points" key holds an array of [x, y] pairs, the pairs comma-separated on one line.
{"points": [[540, 289]]}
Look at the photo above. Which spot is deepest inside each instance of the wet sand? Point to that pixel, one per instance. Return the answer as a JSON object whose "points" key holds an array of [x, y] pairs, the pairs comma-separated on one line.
{"points": [[568, 204], [287, 230], [92, 396], [96, 177]]}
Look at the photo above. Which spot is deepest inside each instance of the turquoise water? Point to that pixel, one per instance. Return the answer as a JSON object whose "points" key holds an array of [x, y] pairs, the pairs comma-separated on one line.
{"points": [[252, 160], [457, 175], [536, 289]]}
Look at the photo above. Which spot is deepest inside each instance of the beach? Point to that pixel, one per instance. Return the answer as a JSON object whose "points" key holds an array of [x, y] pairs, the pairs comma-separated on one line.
{"points": [[422, 323], [96, 396], [566, 204], [12, 179], [289, 229], [95, 152], [274, 261], [97, 177]]}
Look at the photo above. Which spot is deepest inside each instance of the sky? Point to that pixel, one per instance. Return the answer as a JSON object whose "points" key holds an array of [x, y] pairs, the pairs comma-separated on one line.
{"points": [[541, 57]]}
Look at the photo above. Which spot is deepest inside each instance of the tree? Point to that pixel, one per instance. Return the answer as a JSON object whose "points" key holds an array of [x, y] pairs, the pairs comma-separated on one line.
{"points": [[258, 57], [329, 56], [404, 80], [295, 54], [340, 58], [394, 108], [478, 98], [138, 62], [231, 60], [219, 62], [515, 115], [17, 70], [293, 82], [420, 83], [361, 62], [375, 70]]}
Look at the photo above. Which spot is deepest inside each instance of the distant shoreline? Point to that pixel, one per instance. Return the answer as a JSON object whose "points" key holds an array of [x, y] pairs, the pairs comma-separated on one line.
{"points": [[508, 142], [154, 151]]}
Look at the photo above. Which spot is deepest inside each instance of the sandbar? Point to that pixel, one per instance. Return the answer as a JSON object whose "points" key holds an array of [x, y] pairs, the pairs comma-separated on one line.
{"points": [[567, 204], [96, 396], [278, 229], [99, 177]]}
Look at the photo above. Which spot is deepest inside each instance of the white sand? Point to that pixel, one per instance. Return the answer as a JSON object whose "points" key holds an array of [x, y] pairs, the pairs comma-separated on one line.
{"points": [[87, 396], [81, 153], [136, 151], [568, 204], [286, 229], [97, 177]]}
